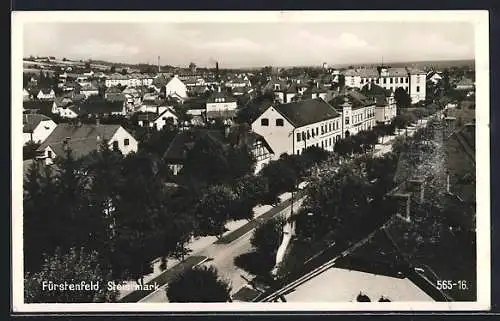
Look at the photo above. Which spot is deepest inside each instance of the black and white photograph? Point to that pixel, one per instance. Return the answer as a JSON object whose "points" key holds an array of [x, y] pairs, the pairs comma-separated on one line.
{"points": [[264, 161]]}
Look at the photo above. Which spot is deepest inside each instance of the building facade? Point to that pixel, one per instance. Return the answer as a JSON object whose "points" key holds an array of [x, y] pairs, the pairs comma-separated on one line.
{"points": [[413, 81]]}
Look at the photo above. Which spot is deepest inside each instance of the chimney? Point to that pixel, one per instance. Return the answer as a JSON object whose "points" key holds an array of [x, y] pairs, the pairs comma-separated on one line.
{"points": [[159, 64], [157, 109], [217, 70]]}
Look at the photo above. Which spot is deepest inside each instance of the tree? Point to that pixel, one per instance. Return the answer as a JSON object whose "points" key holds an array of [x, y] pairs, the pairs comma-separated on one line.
{"points": [[39, 222], [200, 284], [124, 71], [211, 153], [402, 98], [267, 237], [250, 190], [214, 209], [73, 268], [281, 178], [384, 299], [192, 66], [29, 150], [112, 69]]}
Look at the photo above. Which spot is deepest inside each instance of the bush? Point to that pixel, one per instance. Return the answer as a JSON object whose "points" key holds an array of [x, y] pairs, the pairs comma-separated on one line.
{"points": [[200, 284]]}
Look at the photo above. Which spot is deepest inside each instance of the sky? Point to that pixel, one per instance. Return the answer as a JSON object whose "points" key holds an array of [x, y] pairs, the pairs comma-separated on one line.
{"points": [[251, 44]]}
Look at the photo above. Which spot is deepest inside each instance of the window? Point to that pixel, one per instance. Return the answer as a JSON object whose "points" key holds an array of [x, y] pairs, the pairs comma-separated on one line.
{"points": [[317, 130], [385, 80], [401, 80], [126, 142], [49, 154], [377, 81], [298, 151], [308, 134], [347, 120], [391, 80], [396, 80], [322, 144], [330, 141], [115, 145], [330, 127], [362, 80], [264, 122], [418, 89], [322, 129], [418, 79], [298, 137], [406, 80], [279, 122]]}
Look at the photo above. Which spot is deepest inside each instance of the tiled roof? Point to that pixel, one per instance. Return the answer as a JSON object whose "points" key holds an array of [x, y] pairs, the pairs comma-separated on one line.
{"points": [[46, 91], [306, 112], [113, 90], [44, 106], [115, 97], [185, 140], [31, 121], [83, 138], [100, 106], [227, 97]]}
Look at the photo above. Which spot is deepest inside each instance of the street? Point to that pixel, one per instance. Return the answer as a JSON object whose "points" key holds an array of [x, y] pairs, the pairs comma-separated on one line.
{"points": [[221, 256]]}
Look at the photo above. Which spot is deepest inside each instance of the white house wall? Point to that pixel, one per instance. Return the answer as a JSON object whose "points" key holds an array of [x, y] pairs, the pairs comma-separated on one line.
{"points": [[278, 137], [120, 135]]}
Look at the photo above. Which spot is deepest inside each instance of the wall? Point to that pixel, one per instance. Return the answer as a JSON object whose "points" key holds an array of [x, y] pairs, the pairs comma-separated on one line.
{"points": [[120, 135], [279, 138], [175, 85], [325, 139], [417, 81], [222, 106]]}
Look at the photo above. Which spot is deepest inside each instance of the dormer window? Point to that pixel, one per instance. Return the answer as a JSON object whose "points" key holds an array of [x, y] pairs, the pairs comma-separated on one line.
{"points": [[276, 87]]}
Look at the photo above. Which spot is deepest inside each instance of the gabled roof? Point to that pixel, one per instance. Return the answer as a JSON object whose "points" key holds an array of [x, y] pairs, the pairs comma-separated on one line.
{"points": [[306, 112], [44, 106], [83, 138], [62, 101], [357, 99], [185, 140], [31, 121], [46, 91], [113, 90], [100, 106], [227, 97], [116, 97]]}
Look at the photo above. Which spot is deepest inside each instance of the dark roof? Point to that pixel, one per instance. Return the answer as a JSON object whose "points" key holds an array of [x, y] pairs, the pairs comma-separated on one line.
{"points": [[38, 105], [46, 91], [115, 97], [185, 140], [31, 121], [83, 138], [113, 89], [377, 93], [227, 97], [305, 112], [100, 107], [357, 100]]}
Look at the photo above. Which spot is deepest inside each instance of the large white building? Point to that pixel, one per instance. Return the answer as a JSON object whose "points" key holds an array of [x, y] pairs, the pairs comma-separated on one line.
{"points": [[221, 105], [413, 81], [291, 128]]}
